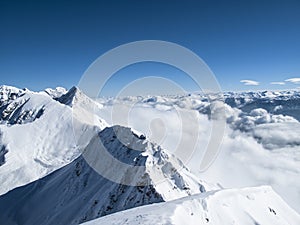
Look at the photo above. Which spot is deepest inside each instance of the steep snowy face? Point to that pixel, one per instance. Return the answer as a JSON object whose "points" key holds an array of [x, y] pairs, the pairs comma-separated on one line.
{"points": [[38, 135], [9, 104], [77, 193], [71, 97], [8, 93], [21, 110], [248, 206], [146, 163]]}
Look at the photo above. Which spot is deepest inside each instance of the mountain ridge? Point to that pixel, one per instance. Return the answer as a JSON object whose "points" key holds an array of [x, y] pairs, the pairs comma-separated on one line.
{"points": [[78, 191]]}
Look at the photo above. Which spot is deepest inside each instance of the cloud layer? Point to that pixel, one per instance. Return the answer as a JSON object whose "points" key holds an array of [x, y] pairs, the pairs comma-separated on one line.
{"points": [[259, 147], [278, 83], [250, 82], [295, 80]]}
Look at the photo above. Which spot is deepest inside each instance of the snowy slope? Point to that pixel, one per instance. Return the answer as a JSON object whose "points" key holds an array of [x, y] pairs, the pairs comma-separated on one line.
{"points": [[37, 134], [248, 206], [76, 193]]}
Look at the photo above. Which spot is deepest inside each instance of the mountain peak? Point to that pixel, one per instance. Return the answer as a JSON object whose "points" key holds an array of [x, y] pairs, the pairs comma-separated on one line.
{"points": [[56, 93], [133, 156], [71, 97]]}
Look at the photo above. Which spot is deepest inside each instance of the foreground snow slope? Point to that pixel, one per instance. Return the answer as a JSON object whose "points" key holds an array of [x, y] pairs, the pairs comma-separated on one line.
{"points": [[37, 133], [247, 206], [76, 193]]}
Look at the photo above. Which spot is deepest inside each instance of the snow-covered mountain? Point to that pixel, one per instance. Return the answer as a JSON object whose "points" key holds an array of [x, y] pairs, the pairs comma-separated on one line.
{"points": [[37, 134], [76, 193], [276, 102], [248, 206], [52, 142]]}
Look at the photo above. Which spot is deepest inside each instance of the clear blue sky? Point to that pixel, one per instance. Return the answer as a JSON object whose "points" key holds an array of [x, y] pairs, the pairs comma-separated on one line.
{"points": [[51, 43]]}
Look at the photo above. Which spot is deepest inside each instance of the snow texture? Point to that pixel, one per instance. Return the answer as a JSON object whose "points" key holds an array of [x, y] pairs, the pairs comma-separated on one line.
{"points": [[248, 206]]}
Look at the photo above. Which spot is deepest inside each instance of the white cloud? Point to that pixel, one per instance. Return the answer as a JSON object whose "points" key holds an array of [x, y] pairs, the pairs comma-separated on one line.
{"points": [[278, 83], [262, 148], [250, 82], [295, 80]]}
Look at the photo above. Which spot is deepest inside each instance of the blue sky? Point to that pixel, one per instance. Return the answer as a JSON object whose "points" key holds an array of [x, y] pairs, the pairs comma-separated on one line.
{"points": [[51, 43]]}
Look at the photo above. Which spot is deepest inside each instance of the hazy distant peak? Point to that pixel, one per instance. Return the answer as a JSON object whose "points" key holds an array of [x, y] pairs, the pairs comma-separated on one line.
{"points": [[57, 92]]}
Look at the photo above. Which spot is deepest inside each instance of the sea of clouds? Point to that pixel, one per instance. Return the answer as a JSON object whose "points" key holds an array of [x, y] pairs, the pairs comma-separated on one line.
{"points": [[258, 147]]}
